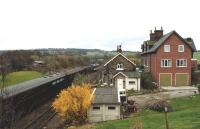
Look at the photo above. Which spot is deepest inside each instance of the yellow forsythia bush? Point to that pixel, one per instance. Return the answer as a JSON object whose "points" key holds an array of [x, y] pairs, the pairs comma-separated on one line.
{"points": [[72, 103]]}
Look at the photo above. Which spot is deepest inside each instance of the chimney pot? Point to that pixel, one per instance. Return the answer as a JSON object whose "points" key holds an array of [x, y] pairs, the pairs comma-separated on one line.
{"points": [[119, 48]]}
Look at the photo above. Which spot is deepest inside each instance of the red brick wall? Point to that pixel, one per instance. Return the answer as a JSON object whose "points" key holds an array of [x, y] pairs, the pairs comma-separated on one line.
{"points": [[156, 68]]}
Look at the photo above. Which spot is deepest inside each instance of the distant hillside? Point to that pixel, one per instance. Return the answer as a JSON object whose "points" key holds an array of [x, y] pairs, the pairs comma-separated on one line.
{"points": [[67, 50], [75, 51]]}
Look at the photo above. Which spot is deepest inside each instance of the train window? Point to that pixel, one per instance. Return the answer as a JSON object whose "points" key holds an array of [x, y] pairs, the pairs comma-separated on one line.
{"points": [[53, 83]]}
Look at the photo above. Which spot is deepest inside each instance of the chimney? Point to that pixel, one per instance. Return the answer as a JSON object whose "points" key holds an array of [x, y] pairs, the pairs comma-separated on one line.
{"points": [[156, 35], [119, 48], [152, 36]]}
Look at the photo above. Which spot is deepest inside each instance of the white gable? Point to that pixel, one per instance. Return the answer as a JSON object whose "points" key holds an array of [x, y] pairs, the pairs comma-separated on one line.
{"points": [[116, 57]]}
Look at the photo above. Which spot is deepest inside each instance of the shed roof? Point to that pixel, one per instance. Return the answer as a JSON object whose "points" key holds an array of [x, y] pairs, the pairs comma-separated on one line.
{"points": [[106, 96], [132, 74]]}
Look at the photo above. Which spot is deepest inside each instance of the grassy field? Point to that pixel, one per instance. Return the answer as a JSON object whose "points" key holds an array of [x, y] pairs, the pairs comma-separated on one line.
{"points": [[21, 76], [186, 115], [197, 56]]}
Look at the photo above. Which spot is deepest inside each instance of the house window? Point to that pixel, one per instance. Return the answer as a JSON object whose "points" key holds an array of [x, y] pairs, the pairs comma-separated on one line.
{"points": [[180, 48], [166, 48], [181, 63], [111, 108], [120, 66], [131, 82], [96, 107], [166, 63]]}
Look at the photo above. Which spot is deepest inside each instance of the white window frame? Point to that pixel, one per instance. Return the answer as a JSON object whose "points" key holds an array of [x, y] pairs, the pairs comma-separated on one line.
{"points": [[120, 66], [163, 61], [181, 63], [179, 46], [167, 48]]}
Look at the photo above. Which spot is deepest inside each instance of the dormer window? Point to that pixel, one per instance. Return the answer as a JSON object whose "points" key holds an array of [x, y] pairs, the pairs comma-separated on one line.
{"points": [[166, 48], [120, 66]]}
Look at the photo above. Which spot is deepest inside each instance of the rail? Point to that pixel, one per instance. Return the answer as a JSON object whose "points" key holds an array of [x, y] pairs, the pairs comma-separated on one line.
{"points": [[41, 120]]}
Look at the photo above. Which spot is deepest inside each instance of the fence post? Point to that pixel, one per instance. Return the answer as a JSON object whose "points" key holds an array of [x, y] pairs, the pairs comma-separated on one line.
{"points": [[166, 118]]}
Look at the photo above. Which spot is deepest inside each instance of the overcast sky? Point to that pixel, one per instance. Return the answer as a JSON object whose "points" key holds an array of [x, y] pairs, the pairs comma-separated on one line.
{"points": [[101, 24]]}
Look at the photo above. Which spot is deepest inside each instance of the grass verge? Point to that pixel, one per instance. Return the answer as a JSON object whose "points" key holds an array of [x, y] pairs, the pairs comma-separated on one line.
{"points": [[20, 76], [186, 115]]}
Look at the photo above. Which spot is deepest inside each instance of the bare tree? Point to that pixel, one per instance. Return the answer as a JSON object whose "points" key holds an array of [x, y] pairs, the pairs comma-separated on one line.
{"points": [[6, 107], [3, 75]]}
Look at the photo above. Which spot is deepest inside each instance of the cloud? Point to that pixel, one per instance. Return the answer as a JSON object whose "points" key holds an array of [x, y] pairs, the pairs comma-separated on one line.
{"points": [[98, 24]]}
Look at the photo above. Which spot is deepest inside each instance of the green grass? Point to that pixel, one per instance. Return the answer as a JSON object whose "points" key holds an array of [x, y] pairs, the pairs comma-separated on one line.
{"points": [[21, 76], [186, 115], [118, 124], [196, 55]]}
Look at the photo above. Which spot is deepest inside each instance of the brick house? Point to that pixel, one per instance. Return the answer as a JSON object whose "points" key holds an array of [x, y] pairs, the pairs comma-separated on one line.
{"points": [[169, 58], [121, 73]]}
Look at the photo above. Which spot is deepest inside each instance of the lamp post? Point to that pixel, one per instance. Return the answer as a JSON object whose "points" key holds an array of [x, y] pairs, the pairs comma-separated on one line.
{"points": [[166, 118]]}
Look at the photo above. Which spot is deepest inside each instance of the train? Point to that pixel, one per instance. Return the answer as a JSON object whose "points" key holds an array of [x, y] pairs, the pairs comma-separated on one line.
{"points": [[21, 99]]}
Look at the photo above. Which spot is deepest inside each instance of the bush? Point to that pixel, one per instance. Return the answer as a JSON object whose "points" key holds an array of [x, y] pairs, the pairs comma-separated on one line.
{"points": [[159, 106], [72, 103], [147, 81], [195, 77]]}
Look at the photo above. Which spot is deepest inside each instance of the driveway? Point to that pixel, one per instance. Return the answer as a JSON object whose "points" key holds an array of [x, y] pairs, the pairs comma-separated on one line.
{"points": [[143, 100], [179, 88]]}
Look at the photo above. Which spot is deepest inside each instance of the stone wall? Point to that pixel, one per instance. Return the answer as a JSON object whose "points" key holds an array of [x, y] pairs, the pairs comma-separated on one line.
{"points": [[104, 114]]}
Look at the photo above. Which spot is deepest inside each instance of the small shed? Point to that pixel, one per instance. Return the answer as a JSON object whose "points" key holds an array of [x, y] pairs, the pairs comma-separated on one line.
{"points": [[106, 105]]}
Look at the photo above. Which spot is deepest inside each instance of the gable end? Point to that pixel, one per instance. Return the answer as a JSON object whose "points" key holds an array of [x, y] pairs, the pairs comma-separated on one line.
{"points": [[117, 56]]}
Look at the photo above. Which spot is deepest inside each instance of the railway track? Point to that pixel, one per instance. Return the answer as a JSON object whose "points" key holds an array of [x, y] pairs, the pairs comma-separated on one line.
{"points": [[41, 121]]}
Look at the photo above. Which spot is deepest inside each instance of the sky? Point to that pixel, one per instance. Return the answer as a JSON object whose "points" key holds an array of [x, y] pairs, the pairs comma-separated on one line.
{"points": [[93, 24]]}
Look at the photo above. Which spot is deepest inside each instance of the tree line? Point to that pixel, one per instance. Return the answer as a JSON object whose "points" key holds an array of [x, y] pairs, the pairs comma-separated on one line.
{"points": [[23, 60]]}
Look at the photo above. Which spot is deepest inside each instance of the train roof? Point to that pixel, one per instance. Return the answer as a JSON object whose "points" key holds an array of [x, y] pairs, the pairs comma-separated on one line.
{"points": [[28, 85]]}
